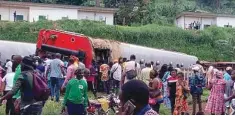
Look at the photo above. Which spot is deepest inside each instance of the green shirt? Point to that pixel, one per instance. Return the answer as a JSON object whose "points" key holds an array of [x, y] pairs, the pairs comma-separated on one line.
{"points": [[76, 92], [17, 73]]}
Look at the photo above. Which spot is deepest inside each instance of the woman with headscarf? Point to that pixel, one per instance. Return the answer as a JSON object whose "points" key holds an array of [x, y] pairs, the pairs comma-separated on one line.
{"points": [[215, 104]]}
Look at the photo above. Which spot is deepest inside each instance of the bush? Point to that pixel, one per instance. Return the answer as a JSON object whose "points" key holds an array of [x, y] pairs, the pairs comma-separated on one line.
{"points": [[203, 44]]}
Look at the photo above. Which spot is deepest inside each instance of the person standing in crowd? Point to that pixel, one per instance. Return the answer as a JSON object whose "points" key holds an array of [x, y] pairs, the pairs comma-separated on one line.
{"points": [[172, 88], [145, 73], [228, 87], [24, 83], [104, 70], [178, 68], [142, 64], [135, 92], [116, 73], [91, 78], [8, 81], [56, 73], [182, 90], [196, 82], [17, 62], [70, 72], [132, 66], [215, 104], [8, 65], [81, 65], [166, 95], [209, 75], [155, 87], [231, 97], [152, 64], [124, 60], [155, 67], [1, 75], [40, 68], [47, 61], [76, 98], [227, 74], [163, 70], [201, 69]]}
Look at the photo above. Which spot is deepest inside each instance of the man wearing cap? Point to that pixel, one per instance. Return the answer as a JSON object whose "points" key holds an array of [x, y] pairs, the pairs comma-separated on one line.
{"points": [[196, 83]]}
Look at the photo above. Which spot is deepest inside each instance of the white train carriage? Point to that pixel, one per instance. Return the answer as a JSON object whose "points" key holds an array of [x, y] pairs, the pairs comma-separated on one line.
{"points": [[9, 48]]}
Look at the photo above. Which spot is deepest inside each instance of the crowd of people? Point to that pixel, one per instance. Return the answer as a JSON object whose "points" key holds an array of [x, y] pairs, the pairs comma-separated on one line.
{"points": [[142, 86]]}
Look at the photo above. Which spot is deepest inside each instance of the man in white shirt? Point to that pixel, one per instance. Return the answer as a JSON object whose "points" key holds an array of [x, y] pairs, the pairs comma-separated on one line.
{"points": [[131, 65], [56, 74], [145, 73], [8, 81], [116, 72], [8, 66]]}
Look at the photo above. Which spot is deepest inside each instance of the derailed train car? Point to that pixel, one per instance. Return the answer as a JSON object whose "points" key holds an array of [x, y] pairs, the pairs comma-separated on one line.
{"points": [[69, 43], [9, 48]]}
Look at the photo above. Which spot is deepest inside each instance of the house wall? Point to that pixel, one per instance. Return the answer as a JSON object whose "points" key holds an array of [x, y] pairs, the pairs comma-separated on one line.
{"points": [[221, 21], [7, 13], [32, 14], [180, 22], [51, 13], [107, 17]]}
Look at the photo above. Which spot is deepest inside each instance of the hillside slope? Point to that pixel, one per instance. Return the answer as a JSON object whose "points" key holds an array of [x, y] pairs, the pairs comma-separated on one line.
{"points": [[213, 44]]}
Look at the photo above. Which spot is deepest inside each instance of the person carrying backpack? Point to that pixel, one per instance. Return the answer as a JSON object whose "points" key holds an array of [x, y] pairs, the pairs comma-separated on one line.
{"points": [[33, 89], [131, 71]]}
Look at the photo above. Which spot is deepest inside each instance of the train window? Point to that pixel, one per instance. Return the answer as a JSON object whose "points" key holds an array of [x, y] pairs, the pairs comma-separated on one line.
{"points": [[72, 39]]}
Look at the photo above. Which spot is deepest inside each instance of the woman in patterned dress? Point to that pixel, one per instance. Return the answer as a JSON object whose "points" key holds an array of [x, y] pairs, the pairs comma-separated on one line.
{"points": [[182, 89], [215, 104]]}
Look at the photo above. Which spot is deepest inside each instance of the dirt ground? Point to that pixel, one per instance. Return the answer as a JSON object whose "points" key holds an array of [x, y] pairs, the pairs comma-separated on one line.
{"points": [[203, 108]]}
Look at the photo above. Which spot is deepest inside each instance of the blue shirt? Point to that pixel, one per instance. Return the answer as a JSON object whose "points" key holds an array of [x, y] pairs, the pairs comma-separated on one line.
{"points": [[196, 82], [227, 77]]}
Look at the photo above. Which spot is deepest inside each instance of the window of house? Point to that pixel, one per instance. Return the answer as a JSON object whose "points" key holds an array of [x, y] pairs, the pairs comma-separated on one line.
{"points": [[206, 26], [227, 25], [41, 17], [19, 17]]}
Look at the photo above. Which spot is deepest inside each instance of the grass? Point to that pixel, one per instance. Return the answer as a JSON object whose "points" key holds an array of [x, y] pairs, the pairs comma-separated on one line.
{"points": [[53, 108]]}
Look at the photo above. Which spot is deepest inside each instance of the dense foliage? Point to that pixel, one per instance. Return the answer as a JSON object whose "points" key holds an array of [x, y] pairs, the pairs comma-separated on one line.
{"points": [[210, 44]]}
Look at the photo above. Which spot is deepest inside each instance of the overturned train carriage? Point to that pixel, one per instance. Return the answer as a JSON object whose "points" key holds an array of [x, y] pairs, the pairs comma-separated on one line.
{"points": [[9, 48], [116, 49]]}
